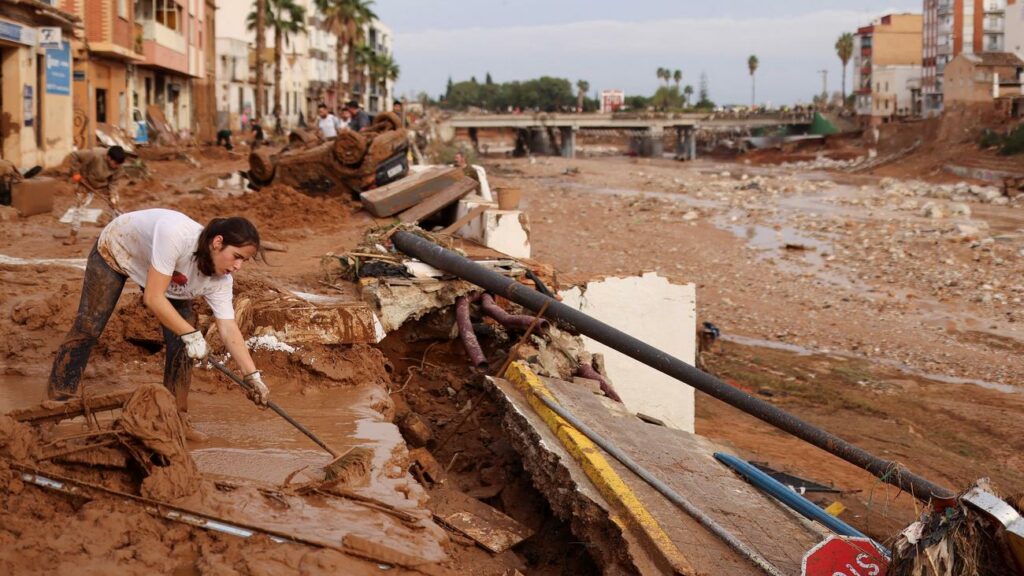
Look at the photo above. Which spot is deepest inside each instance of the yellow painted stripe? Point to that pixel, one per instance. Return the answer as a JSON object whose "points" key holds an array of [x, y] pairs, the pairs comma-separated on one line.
{"points": [[598, 469]]}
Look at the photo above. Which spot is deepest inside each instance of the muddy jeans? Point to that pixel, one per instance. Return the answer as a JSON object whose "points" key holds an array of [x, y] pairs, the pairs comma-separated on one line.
{"points": [[101, 290]]}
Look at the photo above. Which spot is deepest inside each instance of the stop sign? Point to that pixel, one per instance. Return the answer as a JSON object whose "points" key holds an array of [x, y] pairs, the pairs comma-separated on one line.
{"points": [[845, 556]]}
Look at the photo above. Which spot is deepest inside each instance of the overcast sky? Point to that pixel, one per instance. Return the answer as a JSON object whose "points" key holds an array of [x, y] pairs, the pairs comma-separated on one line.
{"points": [[621, 44]]}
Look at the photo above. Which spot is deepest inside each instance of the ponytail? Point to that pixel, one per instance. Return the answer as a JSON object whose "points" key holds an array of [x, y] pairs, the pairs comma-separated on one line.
{"points": [[236, 231]]}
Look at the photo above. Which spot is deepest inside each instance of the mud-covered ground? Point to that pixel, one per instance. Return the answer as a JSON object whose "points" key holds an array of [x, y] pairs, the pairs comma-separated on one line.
{"points": [[349, 395], [837, 299]]}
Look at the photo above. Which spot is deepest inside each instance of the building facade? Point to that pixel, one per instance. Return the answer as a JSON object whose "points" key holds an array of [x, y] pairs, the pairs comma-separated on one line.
{"points": [[1015, 27], [887, 68], [954, 27], [173, 37], [309, 70], [36, 112], [105, 59], [983, 78]]}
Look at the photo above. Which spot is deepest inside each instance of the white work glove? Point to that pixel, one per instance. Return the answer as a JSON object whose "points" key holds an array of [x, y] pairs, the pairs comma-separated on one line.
{"points": [[195, 345], [258, 391]]}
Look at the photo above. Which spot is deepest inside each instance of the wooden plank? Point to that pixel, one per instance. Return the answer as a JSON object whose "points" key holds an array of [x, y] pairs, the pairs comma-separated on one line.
{"points": [[438, 201], [466, 219], [52, 411], [409, 191], [483, 524]]}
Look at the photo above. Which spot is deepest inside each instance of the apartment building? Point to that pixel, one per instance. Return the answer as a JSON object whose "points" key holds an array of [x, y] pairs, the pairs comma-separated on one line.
{"points": [[36, 115], [309, 71], [887, 68], [105, 59], [174, 40], [954, 27], [1015, 27]]}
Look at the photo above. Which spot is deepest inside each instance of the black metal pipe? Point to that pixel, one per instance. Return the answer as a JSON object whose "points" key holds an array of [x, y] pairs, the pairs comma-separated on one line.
{"points": [[886, 470]]}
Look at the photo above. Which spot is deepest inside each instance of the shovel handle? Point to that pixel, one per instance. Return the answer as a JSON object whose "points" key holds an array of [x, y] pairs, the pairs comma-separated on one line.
{"points": [[273, 406]]}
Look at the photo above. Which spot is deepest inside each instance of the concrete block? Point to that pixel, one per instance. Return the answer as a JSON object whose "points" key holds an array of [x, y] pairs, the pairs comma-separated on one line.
{"points": [[33, 196], [507, 231], [474, 230], [659, 313]]}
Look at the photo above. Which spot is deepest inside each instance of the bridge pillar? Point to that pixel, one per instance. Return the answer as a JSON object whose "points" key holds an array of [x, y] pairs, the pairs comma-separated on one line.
{"points": [[538, 142], [649, 144], [686, 143], [568, 135]]}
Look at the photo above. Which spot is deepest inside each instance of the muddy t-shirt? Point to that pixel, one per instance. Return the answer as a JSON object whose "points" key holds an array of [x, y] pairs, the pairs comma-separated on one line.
{"points": [[166, 240]]}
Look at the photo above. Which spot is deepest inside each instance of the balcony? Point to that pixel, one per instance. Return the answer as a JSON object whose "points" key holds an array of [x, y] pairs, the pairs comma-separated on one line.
{"points": [[944, 49], [163, 36], [945, 8], [994, 27], [995, 9]]}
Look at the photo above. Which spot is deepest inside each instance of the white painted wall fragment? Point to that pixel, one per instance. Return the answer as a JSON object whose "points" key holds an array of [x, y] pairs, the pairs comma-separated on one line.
{"points": [[659, 313]]}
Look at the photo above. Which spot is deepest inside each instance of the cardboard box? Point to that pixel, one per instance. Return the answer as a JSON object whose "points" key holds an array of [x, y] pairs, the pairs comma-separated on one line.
{"points": [[33, 196]]}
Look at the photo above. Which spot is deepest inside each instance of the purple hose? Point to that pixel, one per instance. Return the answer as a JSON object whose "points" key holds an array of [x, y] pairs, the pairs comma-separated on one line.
{"points": [[587, 371], [476, 355], [509, 320]]}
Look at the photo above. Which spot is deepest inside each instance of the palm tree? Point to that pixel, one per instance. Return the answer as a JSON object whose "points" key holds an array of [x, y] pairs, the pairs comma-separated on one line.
{"points": [[582, 86], [383, 69], [363, 58], [664, 74], [345, 19], [844, 49], [660, 73], [286, 18], [261, 46], [687, 92], [752, 64], [678, 77]]}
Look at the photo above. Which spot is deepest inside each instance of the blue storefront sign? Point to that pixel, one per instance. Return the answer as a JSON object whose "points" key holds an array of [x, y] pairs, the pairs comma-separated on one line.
{"points": [[13, 32], [58, 70]]}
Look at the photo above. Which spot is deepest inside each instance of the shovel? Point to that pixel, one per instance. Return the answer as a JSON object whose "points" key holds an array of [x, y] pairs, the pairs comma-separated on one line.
{"points": [[333, 468]]}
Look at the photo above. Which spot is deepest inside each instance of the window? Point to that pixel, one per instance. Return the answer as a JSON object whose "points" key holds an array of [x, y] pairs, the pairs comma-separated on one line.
{"points": [[168, 13], [122, 9]]}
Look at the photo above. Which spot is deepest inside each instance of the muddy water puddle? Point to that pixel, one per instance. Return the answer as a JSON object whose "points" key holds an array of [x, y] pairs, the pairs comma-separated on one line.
{"points": [[249, 443]]}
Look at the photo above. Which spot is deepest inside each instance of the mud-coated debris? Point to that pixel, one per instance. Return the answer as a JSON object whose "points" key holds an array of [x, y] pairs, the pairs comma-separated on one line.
{"points": [[157, 440], [415, 431]]}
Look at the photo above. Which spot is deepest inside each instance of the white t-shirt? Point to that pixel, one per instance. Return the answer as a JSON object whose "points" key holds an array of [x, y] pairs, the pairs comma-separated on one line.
{"points": [[166, 240], [328, 126]]}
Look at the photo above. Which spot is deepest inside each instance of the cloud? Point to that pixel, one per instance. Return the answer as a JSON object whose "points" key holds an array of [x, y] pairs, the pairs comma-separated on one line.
{"points": [[625, 54]]}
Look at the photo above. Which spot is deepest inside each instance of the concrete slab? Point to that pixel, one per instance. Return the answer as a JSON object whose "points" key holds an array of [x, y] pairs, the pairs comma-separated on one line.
{"points": [[658, 312], [684, 461]]}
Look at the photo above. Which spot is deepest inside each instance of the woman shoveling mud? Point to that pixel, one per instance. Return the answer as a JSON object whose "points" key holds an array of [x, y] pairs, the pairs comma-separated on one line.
{"points": [[174, 259]]}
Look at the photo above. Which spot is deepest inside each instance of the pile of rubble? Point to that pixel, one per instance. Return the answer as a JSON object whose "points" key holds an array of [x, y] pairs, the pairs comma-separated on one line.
{"points": [[959, 192]]}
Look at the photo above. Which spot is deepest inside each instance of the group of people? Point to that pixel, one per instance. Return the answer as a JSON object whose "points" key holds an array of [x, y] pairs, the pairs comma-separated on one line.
{"points": [[175, 260], [351, 117]]}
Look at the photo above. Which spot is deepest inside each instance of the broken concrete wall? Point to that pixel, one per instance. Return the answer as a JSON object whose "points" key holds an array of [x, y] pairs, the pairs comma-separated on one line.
{"points": [[659, 313]]}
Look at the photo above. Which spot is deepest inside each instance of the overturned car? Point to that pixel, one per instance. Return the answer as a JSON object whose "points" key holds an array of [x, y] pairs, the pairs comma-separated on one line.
{"points": [[349, 164]]}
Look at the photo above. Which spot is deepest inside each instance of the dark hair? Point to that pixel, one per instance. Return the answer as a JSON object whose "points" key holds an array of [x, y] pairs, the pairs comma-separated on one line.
{"points": [[236, 231], [116, 153], [397, 103], [322, 105], [352, 104]]}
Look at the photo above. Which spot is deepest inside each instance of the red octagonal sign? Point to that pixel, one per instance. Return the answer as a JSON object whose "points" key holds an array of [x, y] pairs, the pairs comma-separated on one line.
{"points": [[845, 556]]}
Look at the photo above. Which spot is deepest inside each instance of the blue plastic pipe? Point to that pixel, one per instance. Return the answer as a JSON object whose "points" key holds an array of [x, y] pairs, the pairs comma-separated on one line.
{"points": [[787, 496]]}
